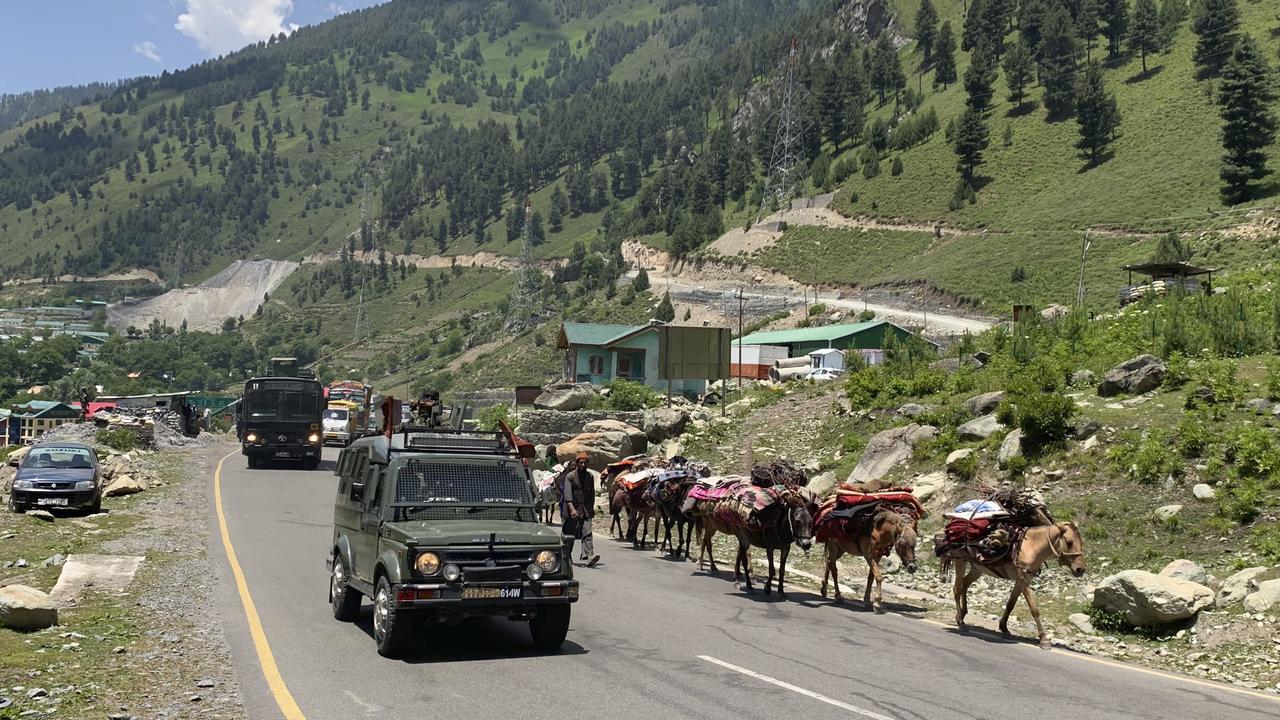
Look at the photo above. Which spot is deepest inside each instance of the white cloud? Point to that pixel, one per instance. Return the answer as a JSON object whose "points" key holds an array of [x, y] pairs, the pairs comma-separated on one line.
{"points": [[336, 9], [221, 26], [147, 49]]}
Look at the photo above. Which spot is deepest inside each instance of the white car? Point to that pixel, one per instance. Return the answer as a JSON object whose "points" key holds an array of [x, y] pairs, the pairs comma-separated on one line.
{"points": [[824, 374]]}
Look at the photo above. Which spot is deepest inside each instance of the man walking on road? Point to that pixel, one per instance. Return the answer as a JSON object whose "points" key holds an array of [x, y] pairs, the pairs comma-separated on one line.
{"points": [[578, 508]]}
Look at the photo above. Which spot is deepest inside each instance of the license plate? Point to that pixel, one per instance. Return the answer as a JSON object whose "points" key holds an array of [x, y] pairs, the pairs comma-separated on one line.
{"points": [[283, 453], [491, 593], [51, 501]]}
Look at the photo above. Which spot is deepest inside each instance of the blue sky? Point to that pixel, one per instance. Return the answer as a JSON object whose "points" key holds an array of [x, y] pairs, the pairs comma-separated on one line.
{"points": [[47, 43]]}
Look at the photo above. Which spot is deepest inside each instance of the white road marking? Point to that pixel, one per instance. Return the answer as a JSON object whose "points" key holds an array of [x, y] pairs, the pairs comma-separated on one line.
{"points": [[796, 689], [369, 708]]}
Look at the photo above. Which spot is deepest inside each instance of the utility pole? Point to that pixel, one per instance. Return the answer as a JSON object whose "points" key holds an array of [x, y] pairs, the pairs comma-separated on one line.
{"points": [[786, 166], [1084, 252], [740, 313]]}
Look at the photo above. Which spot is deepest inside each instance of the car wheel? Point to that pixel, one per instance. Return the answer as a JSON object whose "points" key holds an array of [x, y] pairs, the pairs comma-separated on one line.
{"points": [[345, 601], [390, 629], [14, 506], [550, 627], [96, 506]]}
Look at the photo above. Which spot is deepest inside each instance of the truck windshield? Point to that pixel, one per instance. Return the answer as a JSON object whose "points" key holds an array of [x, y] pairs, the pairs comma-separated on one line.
{"points": [[335, 414], [287, 401]]}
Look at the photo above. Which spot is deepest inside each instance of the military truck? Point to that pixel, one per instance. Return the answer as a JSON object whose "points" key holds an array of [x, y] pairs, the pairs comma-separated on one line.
{"points": [[437, 525], [279, 416]]}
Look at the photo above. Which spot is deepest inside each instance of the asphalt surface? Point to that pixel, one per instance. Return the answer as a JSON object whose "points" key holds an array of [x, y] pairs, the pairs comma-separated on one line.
{"points": [[650, 638]]}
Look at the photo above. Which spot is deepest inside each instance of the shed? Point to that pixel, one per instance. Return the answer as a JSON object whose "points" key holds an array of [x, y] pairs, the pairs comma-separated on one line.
{"points": [[1163, 277], [829, 359], [852, 336], [754, 361]]}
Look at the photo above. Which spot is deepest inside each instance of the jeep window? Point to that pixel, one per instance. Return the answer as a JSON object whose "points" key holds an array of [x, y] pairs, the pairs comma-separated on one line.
{"points": [[428, 489]]}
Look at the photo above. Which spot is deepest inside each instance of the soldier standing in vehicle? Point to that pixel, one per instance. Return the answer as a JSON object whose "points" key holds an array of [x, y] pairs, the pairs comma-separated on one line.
{"points": [[578, 508], [427, 410]]}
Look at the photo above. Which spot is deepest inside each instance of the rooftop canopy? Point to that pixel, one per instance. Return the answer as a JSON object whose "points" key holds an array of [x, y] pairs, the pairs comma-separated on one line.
{"points": [[1168, 269], [825, 333]]}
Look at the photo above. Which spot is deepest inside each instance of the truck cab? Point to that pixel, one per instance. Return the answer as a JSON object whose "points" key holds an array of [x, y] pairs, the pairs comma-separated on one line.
{"points": [[438, 525]]}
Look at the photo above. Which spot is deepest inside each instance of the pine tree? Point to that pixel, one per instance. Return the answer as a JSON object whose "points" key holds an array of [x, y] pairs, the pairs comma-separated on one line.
{"points": [[665, 311], [1249, 123], [1059, 52], [831, 102], [1172, 13], [1215, 22], [926, 30], [1088, 23], [1115, 22], [944, 56], [886, 68], [555, 219], [641, 283], [970, 142], [979, 78], [1030, 21], [1096, 112], [1019, 69], [1144, 30], [973, 34]]}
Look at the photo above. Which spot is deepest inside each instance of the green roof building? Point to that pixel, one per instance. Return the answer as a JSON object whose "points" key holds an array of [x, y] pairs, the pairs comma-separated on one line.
{"points": [[853, 336], [602, 353]]}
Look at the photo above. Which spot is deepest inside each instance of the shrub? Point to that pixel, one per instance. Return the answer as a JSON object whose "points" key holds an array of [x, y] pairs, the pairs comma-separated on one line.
{"points": [[490, 418], [863, 386], [627, 395], [1220, 377], [1193, 436], [946, 417], [1254, 453], [1045, 417], [1241, 502], [1146, 460], [118, 439], [927, 382], [1273, 380], [1177, 371], [817, 309], [966, 469]]}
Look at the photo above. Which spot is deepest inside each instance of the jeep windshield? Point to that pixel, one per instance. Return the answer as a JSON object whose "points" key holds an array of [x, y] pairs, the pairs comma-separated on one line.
{"points": [[430, 489]]}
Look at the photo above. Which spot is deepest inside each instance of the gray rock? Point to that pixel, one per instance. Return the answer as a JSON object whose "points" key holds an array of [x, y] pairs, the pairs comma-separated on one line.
{"points": [[1202, 394], [1055, 311], [125, 485], [663, 423], [1202, 491], [1134, 376], [26, 608], [55, 560], [601, 448], [1083, 378], [1164, 512], [1258, 406], [958, 455], [567, 396], [911, 410], [929, 485], [1086, 429], [1010, 448], [1265, 598], [823, 484], [1148, 599], [979, 428], [889, 448], [1238, 586], [1186, 570], [41, 515], [1083, 623], [985, 403]]}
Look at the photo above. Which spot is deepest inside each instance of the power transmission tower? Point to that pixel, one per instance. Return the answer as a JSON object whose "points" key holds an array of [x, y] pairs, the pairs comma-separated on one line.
{"points": [[786, 165], [359, 331], [528, 277]]}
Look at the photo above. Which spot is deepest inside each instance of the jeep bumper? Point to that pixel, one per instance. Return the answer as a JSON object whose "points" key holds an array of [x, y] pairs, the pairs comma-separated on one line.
{"points": [[458, 600]]}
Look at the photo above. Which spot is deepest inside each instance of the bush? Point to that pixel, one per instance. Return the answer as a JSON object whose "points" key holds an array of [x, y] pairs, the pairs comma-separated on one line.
{"points": [[817, 309], [1177, 371], [946, 417], [1045, 418], [1146, 460], [118, 439], [1254, 453], [863, 386], [1220, 377], [1241, 502], [1273, 380], [1193, 436], [490, 418], [966, 469], [627, 395]]}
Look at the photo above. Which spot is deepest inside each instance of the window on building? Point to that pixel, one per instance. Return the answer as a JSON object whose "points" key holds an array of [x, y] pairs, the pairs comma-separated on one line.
{"points": [[624, 367], [595, 364]]}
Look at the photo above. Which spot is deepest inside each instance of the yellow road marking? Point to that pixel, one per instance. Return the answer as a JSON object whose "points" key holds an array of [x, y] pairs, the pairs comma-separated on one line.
{"points": [[284, 699]]}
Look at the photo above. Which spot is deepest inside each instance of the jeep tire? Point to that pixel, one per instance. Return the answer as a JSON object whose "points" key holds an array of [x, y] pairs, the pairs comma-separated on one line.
{"points": [[254, 463], [312, 463], [549, 627], [390, 629], [345, 601]]}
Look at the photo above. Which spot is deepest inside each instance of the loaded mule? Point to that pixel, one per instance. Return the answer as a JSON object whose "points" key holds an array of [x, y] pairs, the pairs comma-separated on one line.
{"points": [[870, 525], [787, 520]]}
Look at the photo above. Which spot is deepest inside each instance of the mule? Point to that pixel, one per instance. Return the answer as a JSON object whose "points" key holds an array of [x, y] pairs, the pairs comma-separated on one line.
{"points": [[671, 500], [888, 531], [640, 514], [1039, 544], [789, 520], [546, 501]]}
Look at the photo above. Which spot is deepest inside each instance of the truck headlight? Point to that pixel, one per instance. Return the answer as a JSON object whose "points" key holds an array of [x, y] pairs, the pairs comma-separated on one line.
{"points": [[251, 437], [84, 485], [548, 560], [313, 437], [428, 563]]}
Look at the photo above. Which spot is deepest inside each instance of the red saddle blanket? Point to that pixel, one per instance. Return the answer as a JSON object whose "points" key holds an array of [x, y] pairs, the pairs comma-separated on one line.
{"points": [[961, 531]]}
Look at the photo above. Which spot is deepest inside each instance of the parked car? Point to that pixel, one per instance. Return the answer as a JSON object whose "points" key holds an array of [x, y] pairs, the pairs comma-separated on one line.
{"points": [[62, 475], [824, 374]]}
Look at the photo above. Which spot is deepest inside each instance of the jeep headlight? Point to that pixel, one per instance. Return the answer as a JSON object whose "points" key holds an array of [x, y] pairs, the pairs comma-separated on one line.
{"points": [[548, 560], [428, 563], [84, 485]]}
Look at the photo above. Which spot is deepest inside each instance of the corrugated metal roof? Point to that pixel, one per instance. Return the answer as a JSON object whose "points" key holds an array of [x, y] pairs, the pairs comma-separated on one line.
{"points": [[826, 333], [594, 334]]}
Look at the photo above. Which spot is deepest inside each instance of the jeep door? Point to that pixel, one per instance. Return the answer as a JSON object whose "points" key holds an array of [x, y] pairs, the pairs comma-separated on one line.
{"points": [[348, 505], [365, 539]]}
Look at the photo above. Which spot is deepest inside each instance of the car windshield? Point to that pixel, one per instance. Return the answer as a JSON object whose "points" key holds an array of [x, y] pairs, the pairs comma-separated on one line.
{"points": [[464, 485], [335, 414], [63, 458]]}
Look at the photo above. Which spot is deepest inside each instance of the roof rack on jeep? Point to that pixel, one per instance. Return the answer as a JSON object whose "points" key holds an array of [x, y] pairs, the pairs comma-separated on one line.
{"points": [[423, 438]]}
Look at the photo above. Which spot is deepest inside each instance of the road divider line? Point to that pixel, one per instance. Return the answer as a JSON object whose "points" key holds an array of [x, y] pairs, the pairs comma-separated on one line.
{"points": [[270, 671], [796, 689]]}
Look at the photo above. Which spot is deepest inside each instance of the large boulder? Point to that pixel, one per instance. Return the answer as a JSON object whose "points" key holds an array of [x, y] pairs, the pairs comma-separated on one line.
{"points": [[26, 608], [1237, 587], [1186, 570], [1134, 376], [1148, 599], [823, 483], [636, 440], [888, 449], [123, 484], [601, 448], [1265, 598], [567, 396], [663, 423], [1010, 448], [979, 428], [986, 403]]}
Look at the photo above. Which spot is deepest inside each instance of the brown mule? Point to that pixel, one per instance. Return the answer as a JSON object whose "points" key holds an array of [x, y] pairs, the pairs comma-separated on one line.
{"points": [[888, 531], [1039, 544]]}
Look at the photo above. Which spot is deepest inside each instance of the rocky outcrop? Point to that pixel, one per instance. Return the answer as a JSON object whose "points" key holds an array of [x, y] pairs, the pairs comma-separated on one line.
{"points": [[565, 397], [635, 439], [984, 404], [1148, 599], [1010, 448], [663, 423], [1266, 597], [979, 428], [931, 485], [888, 449], [552, 427], [1134, 376], [26, 608], [603, 448], [1237, 587], [1186, 570]]}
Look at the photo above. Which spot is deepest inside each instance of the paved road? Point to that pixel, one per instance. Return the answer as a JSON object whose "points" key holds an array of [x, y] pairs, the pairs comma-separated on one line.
{"points": [[650, 639]]}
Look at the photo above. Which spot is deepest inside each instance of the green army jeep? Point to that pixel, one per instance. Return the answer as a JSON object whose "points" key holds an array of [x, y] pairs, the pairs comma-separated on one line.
{"points": [[439, 525]]}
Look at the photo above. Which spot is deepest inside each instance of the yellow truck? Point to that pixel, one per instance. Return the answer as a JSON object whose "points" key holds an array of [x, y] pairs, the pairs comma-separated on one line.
{"points": [[341, 422]]}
